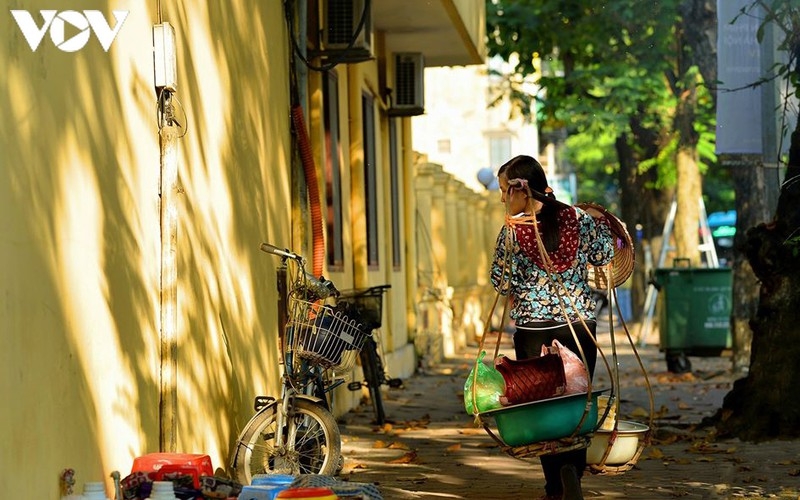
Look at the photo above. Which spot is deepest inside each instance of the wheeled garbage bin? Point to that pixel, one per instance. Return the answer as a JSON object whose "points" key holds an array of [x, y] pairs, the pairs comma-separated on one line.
{"points": [[694, 313]]}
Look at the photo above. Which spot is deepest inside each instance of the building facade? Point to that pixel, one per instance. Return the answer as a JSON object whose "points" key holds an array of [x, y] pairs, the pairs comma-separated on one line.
{"points": [[138, 313]]}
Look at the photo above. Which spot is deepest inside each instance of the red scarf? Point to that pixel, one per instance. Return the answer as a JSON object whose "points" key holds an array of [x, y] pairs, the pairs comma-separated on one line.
{"points": [[568, 240]]}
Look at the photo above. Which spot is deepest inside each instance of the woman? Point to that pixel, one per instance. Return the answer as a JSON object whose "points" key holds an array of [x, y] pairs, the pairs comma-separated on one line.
{"points": [[546, 287]]}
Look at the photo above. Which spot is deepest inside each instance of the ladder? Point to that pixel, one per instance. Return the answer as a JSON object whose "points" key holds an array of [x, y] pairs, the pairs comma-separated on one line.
{"points": [[706, 247]]}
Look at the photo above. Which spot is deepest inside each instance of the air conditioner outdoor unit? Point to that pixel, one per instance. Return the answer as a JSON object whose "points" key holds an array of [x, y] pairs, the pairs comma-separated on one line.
{"points": [[408, 94], [341, 37]]}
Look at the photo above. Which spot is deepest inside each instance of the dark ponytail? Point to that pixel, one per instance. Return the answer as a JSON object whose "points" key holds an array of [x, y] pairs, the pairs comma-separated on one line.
{"points": [[529, 169]]}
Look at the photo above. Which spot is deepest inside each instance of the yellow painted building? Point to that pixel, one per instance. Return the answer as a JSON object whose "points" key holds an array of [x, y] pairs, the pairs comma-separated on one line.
{"points": [[137, 312]]}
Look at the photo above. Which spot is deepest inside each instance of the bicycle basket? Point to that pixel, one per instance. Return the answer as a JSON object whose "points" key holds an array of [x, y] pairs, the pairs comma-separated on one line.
{"points": [[324, 336], [366, 304]]}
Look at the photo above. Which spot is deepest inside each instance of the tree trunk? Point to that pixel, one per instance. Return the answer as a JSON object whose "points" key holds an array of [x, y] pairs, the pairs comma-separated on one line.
{"points": [[698, 43], [689, 181], [747, 173], [646, 213], [763, 405]]}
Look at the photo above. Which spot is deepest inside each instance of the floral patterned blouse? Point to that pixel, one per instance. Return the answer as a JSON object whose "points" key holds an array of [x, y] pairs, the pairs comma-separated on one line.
{"points": [[583, 240]]}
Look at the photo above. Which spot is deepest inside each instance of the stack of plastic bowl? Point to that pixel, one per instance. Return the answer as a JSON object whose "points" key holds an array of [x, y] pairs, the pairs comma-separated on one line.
{"points": [[163, 490], [266, 487], [94, 491], [312, 493]]}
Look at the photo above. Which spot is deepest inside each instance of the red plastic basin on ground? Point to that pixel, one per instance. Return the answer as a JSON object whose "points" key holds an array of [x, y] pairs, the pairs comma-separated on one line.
{"points": [[158, 465]]}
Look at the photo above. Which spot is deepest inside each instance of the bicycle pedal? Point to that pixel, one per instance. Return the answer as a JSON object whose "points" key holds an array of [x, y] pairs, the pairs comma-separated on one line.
{"points": [[262, 401], [354, 386], [395, 383]]}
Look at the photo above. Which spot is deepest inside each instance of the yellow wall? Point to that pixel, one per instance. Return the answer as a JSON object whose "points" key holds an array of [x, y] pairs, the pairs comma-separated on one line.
{"points": [[81, 223], [80, 251]]}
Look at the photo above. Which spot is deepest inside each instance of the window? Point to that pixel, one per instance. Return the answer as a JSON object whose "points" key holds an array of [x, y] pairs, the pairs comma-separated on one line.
{"points": [[333, 179], [396, 178], [499, 150], [370, 181]]}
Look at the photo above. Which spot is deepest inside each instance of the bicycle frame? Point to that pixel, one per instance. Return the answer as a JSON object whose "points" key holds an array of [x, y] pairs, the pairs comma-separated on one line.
{"points": [[367, 305], [291, 378], [296, 432]]}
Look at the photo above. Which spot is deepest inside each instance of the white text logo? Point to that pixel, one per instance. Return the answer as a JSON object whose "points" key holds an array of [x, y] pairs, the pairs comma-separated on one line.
{"points": [[56, 22]]}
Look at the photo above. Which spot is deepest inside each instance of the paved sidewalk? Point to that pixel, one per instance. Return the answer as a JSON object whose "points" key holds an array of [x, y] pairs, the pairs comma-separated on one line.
{"points": [[431, 449]]}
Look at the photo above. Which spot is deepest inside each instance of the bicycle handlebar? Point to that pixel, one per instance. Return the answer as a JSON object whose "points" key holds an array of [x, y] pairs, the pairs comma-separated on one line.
{"points": [[285, 253], [315, 287]]}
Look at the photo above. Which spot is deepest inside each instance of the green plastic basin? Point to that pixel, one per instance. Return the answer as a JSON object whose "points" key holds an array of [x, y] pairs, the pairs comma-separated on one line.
{"points": [[546, 420]]}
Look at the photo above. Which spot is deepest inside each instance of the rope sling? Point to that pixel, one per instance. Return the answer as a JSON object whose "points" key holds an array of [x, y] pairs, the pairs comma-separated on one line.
{"points": [[605, 277]]}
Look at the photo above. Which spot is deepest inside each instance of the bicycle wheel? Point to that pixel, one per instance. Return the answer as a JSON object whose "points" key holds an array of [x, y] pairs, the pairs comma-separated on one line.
{"points": [[312, 443], [373, 374]]}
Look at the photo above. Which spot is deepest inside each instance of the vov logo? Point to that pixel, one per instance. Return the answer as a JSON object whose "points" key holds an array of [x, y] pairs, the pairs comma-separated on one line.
{"points": [[85, 23]]}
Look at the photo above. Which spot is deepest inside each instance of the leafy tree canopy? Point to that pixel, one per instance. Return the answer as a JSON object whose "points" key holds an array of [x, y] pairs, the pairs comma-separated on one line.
{"points": [[597, 67]]}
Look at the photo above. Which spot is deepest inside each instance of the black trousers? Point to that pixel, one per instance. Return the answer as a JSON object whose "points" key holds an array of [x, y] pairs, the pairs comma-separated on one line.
{"points": [[528, 342]]}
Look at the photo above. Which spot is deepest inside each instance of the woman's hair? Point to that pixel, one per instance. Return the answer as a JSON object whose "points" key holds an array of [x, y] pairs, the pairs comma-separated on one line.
{"points": [[528, 169]]}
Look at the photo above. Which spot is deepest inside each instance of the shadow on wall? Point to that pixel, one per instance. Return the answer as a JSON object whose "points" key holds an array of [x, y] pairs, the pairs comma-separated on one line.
{"points": [[80, 216]]}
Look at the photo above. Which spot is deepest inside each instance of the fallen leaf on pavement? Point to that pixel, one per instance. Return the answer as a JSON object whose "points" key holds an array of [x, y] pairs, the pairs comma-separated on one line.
{"points": [[472, 431], [672, 438], [379, 444], [396, 445], [684, 406], [453, 447], [407, 458], [656, 453]]}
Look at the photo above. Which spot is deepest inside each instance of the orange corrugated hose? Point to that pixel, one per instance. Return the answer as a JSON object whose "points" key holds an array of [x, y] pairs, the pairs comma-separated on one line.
{"points": [[310, 171]]}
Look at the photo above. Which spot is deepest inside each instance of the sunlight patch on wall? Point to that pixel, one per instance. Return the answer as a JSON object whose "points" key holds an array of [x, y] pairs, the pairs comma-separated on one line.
{"points": [[22, 103], [84, 289]]}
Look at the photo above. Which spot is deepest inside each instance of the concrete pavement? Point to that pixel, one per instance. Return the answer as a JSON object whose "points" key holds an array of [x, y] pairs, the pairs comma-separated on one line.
{"points": [[431, 449]]}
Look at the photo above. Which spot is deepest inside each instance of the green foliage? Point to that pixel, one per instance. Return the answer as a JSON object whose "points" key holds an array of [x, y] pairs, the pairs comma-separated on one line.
{"points": [[604, 66], [597, 167]]}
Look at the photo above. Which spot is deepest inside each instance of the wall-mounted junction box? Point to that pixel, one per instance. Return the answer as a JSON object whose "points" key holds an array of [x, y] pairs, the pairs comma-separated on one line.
{"points": [[164, 60]]}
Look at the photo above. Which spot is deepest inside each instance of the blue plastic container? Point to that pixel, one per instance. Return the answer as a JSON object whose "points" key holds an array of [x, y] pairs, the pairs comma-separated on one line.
{"points": [[272, 479], [266, 487], [259, 492]]}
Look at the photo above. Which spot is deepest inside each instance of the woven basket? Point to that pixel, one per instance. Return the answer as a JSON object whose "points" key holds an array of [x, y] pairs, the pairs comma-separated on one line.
{"points": [[624, 255]]}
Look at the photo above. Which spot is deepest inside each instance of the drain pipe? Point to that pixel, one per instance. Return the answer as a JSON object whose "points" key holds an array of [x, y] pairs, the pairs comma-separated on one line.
{"points": [[311, 188]]}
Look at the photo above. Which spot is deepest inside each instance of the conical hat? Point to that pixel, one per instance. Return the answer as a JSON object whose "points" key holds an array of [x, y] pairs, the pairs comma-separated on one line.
{"points": [[624, 255]]}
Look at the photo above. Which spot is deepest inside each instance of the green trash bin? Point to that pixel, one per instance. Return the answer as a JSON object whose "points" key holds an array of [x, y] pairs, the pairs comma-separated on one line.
{"points": [[694, 311]]}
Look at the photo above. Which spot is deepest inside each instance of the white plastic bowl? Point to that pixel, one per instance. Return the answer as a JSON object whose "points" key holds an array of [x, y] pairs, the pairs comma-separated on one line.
{"points": [[624, 447]]}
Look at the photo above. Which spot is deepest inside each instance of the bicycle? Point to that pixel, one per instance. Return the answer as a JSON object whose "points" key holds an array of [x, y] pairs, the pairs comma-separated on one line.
{"points": [[367, 305], [296, 433]]}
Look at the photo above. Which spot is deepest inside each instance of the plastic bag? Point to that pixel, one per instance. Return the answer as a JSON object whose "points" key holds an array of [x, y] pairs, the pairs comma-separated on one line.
{"points": [[489, 386], [574, 370]]}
